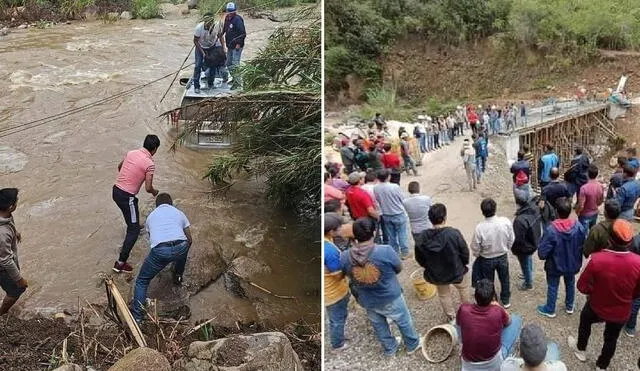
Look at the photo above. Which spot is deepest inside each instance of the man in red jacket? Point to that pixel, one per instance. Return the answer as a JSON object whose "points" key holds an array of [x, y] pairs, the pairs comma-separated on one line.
{"points": [[611, 279]]}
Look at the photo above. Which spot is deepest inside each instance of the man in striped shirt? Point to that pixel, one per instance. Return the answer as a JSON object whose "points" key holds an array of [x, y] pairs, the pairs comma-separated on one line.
{"points": [[136, 168]]}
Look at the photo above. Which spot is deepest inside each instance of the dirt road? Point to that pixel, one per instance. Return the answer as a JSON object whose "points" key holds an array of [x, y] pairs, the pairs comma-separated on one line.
{"points": [[442, 177], [71, 228]]}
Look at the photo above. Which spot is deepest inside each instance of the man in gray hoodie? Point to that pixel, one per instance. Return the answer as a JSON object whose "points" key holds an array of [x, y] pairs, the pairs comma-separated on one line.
{"points": [[11, 280]]}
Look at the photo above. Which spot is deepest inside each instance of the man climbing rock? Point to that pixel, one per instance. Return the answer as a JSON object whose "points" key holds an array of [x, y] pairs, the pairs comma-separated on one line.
{"points": [[170, 240], [11, 281], [136, 168]]}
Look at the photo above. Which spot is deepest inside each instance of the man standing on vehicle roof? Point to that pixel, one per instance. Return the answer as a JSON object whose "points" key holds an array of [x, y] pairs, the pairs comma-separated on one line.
{"points": [[136, 168], [235, 34], [208, 39]]}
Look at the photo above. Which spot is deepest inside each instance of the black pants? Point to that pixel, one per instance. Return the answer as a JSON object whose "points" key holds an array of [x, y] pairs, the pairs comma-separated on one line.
{"points": [[611, 332], [128, 204], [487, 268]]}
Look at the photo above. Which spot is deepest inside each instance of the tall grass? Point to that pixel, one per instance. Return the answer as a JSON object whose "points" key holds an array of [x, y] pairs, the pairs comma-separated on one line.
{"points": [[145, 9]]}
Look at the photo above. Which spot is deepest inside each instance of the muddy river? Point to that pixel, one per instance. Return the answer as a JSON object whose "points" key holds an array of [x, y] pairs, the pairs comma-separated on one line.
{"points": [[65, 169]]}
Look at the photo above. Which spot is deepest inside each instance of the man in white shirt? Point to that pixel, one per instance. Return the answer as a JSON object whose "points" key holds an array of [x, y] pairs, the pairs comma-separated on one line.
{"points": [[491, 242], [170, 240], [209, 42]]}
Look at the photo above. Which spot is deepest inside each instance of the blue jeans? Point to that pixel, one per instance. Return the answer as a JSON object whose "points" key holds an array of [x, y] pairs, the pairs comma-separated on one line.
{"points": [[197, 71], [631, 323], [423, 143], [429, 139], [552, 291], [508, 337], [396, 227], [588, 221], [398, 312], [487, 268], [526, 264], [444, 136], [233, 60], [159, 257], [337, 314], [553, 352]]}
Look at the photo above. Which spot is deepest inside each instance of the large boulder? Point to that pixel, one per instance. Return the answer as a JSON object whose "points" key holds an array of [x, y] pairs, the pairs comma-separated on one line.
{"points": [[268, 351], [142, 359]]}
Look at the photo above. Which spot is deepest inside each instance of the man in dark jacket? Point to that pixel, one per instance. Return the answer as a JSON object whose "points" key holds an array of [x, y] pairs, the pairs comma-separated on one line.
{"points": [[561, 249], [598, 238], [522, 165], [527, 229], [11, 280], [444, 254], [577, 176], [235, 33], [628, 193], [555, 189], [617, 178]]}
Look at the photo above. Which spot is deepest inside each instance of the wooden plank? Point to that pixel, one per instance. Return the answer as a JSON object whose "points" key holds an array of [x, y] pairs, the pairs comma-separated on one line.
{"points": [[128, 317]]}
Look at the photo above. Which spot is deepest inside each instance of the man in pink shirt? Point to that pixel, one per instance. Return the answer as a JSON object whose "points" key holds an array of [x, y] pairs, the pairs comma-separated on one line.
{"points": [[590, 198], [136, 168]]}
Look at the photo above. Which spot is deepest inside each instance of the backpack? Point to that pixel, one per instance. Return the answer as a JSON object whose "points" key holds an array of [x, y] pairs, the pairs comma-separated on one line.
{"points": [[521, 178], [547, 211]]}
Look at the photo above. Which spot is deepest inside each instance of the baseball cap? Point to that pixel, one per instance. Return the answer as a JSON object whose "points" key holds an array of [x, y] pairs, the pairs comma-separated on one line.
{"points": [[621, 232], [332, 221], [231, 7], [533, 345], [354, 178]]}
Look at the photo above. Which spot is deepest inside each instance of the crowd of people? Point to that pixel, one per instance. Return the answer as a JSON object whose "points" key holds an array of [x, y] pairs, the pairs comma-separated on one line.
{"points": [[368, 219]]}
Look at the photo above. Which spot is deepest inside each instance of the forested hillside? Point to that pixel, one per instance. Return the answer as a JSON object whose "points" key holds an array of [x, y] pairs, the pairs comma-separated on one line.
{"points": [[550, 36]]}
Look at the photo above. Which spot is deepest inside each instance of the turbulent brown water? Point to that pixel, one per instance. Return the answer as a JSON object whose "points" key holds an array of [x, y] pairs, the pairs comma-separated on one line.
{"points": [[71, 228]]}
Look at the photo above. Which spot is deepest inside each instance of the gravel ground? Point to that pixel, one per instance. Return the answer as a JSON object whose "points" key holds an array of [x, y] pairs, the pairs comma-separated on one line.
{"points": [[442, 177]]}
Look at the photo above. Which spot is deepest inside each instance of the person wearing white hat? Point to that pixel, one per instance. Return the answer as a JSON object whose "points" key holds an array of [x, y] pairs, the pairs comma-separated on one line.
{"points": [[235, 34]]}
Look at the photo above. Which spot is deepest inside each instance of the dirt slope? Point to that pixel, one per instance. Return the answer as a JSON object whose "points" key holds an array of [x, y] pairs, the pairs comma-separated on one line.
{"points": [[420, 69]]}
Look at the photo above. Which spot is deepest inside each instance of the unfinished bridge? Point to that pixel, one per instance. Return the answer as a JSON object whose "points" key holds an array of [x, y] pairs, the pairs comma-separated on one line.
{"points": [[564, 125]]}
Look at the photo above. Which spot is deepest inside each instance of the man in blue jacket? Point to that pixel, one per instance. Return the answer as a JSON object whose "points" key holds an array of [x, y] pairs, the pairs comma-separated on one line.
{"points": [[628, 193], [235, 33], [547, 162], [561, 249]]}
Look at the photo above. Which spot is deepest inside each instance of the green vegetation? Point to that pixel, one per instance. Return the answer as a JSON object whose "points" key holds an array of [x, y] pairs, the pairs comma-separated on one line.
{"points": [[145, 9], [387, 102], [277, 118], [216, 5], [566, 32]]}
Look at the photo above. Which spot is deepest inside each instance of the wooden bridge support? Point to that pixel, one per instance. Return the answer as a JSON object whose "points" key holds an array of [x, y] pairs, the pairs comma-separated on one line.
{"points": [[586, 129]]}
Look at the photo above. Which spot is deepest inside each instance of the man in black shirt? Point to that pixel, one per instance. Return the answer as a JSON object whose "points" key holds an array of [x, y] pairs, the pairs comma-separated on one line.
{"points": [[555, 189]]}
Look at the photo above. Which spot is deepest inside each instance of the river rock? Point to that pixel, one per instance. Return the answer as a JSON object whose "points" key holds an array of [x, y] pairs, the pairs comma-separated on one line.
{"points": [[247, 268], [23, 26], [268, 351], [4, 31], [69, 367], [125, 15], [142, 359], [192, 4], [11, 160]]}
